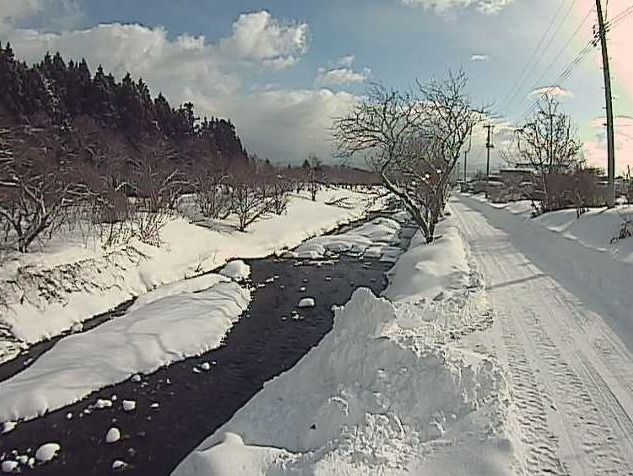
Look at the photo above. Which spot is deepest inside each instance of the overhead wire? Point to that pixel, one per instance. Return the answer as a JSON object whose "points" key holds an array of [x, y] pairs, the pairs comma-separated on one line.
{"points": [[523, 76], [610, 25]]}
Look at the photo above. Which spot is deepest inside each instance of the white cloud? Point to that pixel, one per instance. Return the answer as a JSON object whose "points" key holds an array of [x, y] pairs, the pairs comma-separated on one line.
{"points": [[14, 11], [260, 37], [338, 76], [284, 124], [555, 91], [484, 6], [479, 57]]}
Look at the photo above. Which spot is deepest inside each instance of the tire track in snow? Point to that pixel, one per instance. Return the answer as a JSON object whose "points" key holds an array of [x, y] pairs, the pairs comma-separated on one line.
{"points": [[578, 401], [548, 331], [541, 444]]}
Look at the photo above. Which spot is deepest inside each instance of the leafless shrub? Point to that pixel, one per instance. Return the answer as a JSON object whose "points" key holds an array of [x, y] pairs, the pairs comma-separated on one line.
{"points": [[249, 200], [38, 183]]}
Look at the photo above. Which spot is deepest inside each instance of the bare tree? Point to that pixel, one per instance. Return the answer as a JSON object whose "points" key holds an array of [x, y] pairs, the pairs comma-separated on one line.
{"points": [[249, 200], [313, 175], [546, 142], [413, 140], [38, 182], [212, 192]]}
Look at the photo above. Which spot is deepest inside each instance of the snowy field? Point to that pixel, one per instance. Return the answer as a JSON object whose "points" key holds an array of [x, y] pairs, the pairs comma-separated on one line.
{"points": [[504, 347], [50, 291]]}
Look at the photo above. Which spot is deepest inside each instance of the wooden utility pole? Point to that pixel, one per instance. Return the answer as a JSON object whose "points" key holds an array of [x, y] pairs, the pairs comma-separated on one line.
{"points": [[609, 107], [489, 146], [470, 143]]}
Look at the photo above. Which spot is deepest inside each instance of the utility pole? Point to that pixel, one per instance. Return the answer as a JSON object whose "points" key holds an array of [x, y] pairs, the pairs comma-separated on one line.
{"points": [[470, 143], [607, 93], [489, 146]]}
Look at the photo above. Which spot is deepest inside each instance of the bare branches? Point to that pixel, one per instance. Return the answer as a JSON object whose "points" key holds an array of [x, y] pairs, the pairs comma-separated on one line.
{"points": [[413, 139], [546, 142], [37, 183]]}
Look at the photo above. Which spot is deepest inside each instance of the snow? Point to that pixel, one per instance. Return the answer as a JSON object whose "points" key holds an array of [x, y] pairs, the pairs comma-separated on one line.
{"points": [[387, 391], [118, 464], [8, 426], [424, 272], [187, 286], [577, 252], [72, 278], [561, 302], [9, 466], [113, 435], [47, 452], [164, 331], [103, 403], [129, 405], [306, 302], [373, 237], [236, 270]]}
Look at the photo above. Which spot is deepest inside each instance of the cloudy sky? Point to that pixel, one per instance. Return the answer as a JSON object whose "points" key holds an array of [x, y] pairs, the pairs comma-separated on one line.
{"points": [[281, 69]]}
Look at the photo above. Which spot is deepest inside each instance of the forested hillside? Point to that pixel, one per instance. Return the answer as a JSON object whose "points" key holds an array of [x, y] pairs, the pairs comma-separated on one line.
{"points": [[68, 95]]}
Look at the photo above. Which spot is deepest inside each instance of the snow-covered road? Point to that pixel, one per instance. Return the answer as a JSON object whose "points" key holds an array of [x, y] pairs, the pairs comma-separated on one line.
{"points": [[571, 375]]}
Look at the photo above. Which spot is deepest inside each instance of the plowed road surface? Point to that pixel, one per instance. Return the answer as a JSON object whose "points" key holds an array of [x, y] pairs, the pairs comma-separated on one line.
{"points": [[571, 375]]}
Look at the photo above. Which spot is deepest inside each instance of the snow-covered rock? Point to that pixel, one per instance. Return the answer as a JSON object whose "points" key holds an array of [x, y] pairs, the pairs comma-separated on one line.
{"points": [[236, 270], [306, 302], [47, 452], [205, 366], [129, 405], [113, 435], [118, 464], [103, 403], [9, 466]]}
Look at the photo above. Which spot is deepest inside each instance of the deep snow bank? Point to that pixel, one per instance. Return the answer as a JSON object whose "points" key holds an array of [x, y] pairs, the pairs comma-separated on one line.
{"points": [[163, 331], [44, 293], [381, 393]]}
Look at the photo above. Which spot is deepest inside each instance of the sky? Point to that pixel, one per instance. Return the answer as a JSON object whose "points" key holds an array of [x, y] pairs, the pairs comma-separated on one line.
{"points": [[281, 70]]}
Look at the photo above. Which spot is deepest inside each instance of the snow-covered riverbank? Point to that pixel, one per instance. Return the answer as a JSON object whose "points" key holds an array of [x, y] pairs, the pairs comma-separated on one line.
{"points": [[49, 291]]}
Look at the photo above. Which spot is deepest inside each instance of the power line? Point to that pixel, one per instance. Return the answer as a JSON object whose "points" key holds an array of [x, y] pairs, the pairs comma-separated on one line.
{"points": [[561, 77], [579, 57], [562, 50], [522, 75]]}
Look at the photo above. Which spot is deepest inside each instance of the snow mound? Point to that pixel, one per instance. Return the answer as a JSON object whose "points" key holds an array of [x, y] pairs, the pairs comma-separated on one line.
{"points": [[373, 236], [192, 285], [236, 270], [167, 330], [423, 271], [369, 402]]}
